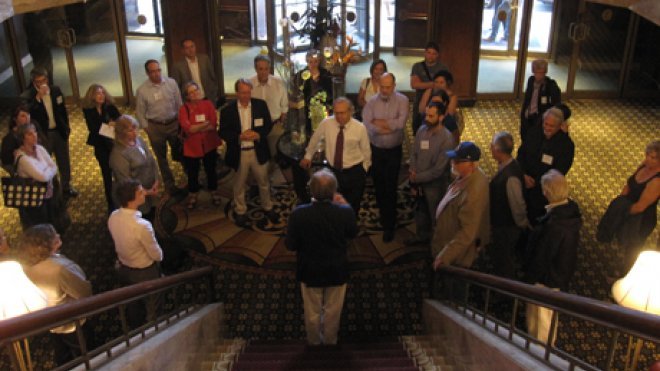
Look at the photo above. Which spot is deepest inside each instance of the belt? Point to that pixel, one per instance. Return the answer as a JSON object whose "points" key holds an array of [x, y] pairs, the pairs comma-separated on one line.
{"points": [[136, 269], [346, 169], [246, 148], [164, 122]]}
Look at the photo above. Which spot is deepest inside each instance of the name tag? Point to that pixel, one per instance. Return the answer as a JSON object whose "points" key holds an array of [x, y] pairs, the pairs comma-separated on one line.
{"points": [[544, 100], [158, 96], [424, 145], [200, 118], [258, 123], [546, 159], [59, 100]]}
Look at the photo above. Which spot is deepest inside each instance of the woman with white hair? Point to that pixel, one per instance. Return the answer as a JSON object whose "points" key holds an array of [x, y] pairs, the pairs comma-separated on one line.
{"points": [[551, 253]]}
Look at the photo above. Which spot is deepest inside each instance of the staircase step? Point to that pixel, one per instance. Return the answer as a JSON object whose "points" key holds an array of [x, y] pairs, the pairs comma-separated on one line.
{"points": [[329, 354], [320, 364], [301, 346]]}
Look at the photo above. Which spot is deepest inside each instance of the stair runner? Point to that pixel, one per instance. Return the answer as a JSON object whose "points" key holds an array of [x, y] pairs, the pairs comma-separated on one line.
{"points": [[408, 353]]}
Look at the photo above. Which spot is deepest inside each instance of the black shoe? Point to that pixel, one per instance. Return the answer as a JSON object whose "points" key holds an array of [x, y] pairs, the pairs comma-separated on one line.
{"points": [[70, 192], [415, 242], [242, 221], [272, 216], [388, 236]]}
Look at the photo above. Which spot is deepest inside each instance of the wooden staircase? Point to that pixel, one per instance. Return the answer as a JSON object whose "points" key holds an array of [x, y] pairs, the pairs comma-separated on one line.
{"points": [[408, 353]]}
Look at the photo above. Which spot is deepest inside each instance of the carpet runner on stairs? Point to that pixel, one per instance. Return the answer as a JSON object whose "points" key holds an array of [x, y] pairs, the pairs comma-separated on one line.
{"points": [[385, 355]]}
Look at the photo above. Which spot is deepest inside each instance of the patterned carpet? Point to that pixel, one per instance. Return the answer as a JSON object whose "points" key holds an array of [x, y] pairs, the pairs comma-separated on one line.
{"points": [[255, 277]]}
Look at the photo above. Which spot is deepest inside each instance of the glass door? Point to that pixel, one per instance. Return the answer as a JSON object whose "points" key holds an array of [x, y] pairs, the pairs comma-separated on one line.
{"points": [[600, 39], [77, 45]]}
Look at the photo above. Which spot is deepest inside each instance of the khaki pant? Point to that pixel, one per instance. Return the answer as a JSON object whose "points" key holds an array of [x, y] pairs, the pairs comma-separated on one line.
{"points": [[539, 320], [322, 307], [250, 163]]}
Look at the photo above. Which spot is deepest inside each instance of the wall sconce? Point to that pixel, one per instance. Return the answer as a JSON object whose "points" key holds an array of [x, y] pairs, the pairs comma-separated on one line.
{"points": [[18, 295], [639, 289]]}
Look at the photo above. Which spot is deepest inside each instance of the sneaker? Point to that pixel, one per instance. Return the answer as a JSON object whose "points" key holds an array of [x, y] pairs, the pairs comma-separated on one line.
{"points": [[488, 39]]}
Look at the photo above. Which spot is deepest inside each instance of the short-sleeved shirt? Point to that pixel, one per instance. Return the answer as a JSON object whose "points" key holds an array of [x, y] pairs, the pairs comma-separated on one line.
{"points": [[419, 71]]}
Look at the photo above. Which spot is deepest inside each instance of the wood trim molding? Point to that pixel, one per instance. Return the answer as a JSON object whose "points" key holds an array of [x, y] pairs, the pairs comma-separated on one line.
{"points": [[27, 6]]}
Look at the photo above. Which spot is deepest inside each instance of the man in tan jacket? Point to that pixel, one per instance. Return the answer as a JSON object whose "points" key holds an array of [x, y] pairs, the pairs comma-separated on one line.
{"points": [[462, 217]]}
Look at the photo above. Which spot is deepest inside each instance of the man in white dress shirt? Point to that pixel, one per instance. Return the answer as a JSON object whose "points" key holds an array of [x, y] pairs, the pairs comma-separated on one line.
{"points": [[347, 149], [271, 89], [138, 252]]}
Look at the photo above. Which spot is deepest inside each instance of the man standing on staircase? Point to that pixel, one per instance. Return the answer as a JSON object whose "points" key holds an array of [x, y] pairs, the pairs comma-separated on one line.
{"points": [[319, 232]]}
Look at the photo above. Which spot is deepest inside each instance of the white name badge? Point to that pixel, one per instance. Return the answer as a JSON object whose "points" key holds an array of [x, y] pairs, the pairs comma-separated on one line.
{"points": [[59, 100], [544, 100], [200, 118], [424, 144], [258, 123], [107, 131], [546, 159], [158, 96]]}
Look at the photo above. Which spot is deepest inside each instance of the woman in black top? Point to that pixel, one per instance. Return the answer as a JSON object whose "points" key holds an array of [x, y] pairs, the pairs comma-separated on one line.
{"points": [[99, 109]]}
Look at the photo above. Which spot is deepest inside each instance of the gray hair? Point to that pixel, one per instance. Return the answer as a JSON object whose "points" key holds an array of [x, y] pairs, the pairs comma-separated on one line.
{"points": [[323, 185], [243, 81], [503, 141], [653, 147], [22, 130], [351, 107], [261, 58], [540, 64], [556, 113], [122, 125], [555, 186]]}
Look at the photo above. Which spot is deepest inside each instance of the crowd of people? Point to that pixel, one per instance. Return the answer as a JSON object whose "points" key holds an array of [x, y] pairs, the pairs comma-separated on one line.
{"points": [[459, 211]]}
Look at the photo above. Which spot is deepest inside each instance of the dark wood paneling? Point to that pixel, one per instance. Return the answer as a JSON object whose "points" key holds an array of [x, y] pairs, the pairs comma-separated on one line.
{"points": [[234, 20], [185, 19], [457, 29], [411, 29]]}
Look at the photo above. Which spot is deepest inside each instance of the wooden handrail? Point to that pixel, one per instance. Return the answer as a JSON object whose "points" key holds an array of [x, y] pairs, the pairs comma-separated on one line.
{"points": [[633, 321], [46, 318]]}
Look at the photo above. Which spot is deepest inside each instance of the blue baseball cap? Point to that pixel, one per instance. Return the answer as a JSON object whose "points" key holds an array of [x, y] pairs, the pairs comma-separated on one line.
{"points": [[466, 151]]}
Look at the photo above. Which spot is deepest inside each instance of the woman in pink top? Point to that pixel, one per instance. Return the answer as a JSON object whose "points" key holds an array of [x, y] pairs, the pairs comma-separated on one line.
{"points": [[199, 122]]}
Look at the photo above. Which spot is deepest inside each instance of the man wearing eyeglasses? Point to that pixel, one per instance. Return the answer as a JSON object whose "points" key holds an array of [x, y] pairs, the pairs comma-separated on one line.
{"points": [[158, 102], [462, 217]]}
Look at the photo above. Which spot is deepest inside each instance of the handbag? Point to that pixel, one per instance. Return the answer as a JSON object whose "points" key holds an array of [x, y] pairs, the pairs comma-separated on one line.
{"points": [[22, 192]]}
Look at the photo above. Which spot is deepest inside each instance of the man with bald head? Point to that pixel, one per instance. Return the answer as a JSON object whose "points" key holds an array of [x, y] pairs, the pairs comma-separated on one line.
{"points": [[385, 116], [346, 148]]}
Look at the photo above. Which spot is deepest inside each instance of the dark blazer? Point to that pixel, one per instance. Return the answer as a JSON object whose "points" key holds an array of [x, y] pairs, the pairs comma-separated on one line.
{"points": [[230, 130], [181, 73], [552, 248], [560, 149], [319, 233], [39, 114], [94, 120], [549, 90]]}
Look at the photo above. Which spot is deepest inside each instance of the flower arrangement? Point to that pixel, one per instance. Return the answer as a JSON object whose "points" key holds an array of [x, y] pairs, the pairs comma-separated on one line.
{"points": [[317, 108], [338, 58]]}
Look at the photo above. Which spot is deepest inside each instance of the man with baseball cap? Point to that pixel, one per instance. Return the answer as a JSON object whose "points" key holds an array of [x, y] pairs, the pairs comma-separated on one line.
{"points": [[462, 218]]}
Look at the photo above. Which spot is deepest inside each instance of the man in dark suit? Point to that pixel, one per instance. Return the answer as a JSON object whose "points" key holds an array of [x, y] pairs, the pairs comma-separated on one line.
{"points": [[48, 109], [195, 67], [319, 232], [545, 147], [244, 126]]}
